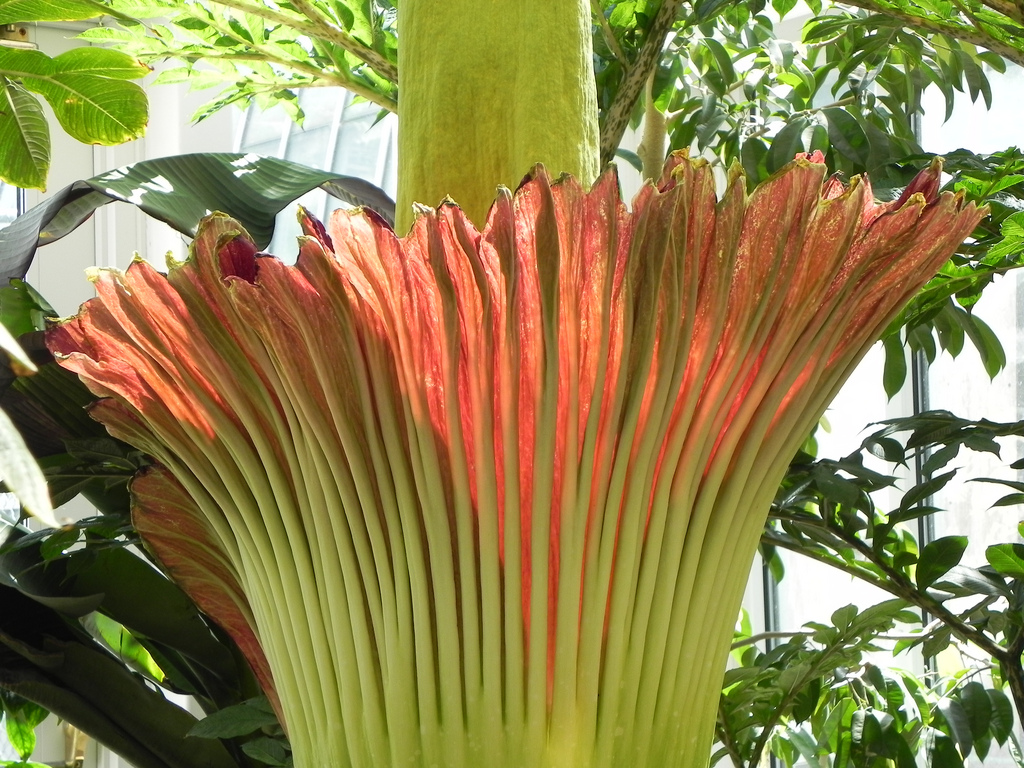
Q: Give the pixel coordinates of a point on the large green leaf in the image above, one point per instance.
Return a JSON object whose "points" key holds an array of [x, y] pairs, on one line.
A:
{"points": [[25, 137], [14, 11], [239, 720], [88, 90], [938, 558], [181, 191], [55, 664], [127, 589]]}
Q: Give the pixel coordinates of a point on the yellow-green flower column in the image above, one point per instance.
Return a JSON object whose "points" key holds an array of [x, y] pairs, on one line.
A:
{"points": [[489, 88]]}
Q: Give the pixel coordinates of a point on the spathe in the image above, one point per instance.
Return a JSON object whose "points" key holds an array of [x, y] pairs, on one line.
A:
{"points": [[492, 496]]}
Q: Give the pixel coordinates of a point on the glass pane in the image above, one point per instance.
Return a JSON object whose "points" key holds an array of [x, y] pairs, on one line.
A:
{"points": [[308, 146], [263, 127], [811, 591], [321, 105], [359, 143], [8, 204], [962, 385]]}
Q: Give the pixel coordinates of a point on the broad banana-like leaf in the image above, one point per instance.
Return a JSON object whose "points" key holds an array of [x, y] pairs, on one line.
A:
{"points": [[181, 191], [58, 666], [126, 588]]}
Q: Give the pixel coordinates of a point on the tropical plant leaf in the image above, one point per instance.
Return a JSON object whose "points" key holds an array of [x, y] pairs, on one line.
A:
{"points": [[181, 191], [238, 720], [25, 137], [55, 664], [88, 90], [13, 11], [938, 558]]}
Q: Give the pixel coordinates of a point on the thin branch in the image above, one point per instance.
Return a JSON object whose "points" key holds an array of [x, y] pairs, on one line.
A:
{"points": [[895, 583], [608, 34], [261, 54], [632, 84], [655, 140], [1008, 9], [335, 34], [973, 36], [316, 26], [727, 740], [764, 636]]}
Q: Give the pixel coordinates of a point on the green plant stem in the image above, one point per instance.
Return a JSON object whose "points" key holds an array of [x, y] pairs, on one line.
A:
{"points": [[608, 34], [931, 25], [335, 78], [764, 636], [895, 583], [617, 117], [316, 26]]}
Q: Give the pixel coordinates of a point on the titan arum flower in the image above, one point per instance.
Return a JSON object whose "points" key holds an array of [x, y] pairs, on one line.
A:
{"points": [[489, 498], [487, 494]]}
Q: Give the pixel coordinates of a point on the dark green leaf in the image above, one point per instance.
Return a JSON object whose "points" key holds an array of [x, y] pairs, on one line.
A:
{"points": [[964, 582], [985, 341], [1001, 722], [62, 540], [180, 191], [1008, 559], [25, 137], [267, 750], [959, 724], [846, 135], [786, 144], [938, 557], [942, 751], [705, 9], [722, 59], [978, 706], [894, 374], [238, 720], [921, 492]]}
